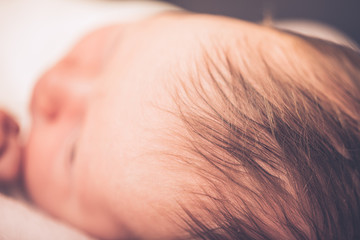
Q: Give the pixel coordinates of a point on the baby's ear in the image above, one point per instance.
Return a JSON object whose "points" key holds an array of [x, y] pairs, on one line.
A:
{"points": [[10, 148]]}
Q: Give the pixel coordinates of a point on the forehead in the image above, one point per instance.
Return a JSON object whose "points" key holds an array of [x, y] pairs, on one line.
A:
{"points": [[174, 40], [171, 37]]}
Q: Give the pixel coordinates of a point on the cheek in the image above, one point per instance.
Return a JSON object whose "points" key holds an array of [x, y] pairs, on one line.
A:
{"points": [[43, 169]]}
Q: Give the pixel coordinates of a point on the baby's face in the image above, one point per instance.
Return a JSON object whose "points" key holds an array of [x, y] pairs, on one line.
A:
{"points": [[101, 120]]}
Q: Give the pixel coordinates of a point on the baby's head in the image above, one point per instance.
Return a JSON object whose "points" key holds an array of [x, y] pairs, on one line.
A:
{"points": [[186, 126]]}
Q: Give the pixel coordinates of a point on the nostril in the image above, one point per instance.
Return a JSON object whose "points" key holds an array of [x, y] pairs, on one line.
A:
{"points": [[49, 108]]}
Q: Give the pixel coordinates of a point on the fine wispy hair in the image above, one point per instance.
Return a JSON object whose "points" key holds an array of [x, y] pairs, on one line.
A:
{"points": [[276, 124]]}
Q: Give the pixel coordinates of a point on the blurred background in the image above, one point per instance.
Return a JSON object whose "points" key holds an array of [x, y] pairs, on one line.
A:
{"points": [[341, 14]]}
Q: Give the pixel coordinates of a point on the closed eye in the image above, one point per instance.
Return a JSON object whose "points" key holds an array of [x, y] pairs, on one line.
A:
{"points": [[72, 153]]}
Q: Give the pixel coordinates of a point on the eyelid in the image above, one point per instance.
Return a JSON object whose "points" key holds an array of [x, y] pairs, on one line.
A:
{"points": [[72, 153], [72, 146]]}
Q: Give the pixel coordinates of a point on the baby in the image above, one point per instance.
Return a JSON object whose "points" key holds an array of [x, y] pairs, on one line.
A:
{"points": [[186, 126]]}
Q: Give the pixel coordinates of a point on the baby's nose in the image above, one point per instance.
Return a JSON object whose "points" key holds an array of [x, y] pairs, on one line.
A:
{"points": [[61, 93], [10, 149]]}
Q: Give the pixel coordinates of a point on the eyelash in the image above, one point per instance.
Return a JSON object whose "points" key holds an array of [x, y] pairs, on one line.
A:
{"points": [[72, 153]]}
